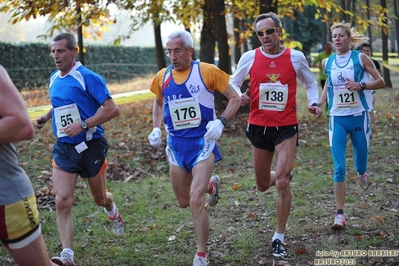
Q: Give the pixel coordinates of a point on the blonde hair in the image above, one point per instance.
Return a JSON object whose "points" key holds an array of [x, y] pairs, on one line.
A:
{"points": [[357, 37]]}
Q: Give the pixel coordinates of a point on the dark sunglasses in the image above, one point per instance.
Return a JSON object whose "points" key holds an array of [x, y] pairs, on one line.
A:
{"points": [[268, 31]]}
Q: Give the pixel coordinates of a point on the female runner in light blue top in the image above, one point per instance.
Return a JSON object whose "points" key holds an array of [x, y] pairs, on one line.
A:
{"points": [[345, 91]]}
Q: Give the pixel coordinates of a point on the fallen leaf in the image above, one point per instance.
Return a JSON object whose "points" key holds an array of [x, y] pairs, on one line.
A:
{"points": [[235, 186], [300, 251], [379, 218]]}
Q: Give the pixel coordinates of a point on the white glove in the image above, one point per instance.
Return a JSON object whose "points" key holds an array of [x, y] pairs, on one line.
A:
{"points": [[215, 129], [155, 137]]}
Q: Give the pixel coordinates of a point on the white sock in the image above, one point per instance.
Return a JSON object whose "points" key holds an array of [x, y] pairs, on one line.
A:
{"points": [[111, 213], [279, 237]]}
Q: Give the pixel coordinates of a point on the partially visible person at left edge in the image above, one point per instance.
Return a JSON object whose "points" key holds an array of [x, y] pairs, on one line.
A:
{"points": [[20, 230], [80, 102]]}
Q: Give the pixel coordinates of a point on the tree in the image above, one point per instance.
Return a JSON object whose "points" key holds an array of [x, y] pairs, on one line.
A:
{"points": [[298, 28], [383, 22], [221, 36], [64, 15]]}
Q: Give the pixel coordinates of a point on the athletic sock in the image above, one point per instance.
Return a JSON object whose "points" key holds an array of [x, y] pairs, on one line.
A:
{"points": [[279, 237], [210, 187], [201, 254], [111, 213]]}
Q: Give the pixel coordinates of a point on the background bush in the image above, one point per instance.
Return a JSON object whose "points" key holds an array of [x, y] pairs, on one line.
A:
{"points": [[30, 64]]}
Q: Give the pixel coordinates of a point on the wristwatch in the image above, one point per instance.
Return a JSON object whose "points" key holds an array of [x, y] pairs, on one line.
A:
{"points": [[363, 85], [315, 104], [223, 120], [84, 125]]}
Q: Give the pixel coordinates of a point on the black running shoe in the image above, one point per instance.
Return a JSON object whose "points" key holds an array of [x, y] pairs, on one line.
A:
{"points": [[278, 249]]}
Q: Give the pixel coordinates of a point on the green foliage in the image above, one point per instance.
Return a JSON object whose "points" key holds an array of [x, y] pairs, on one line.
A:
{"points": [[305, 28], [30, 64]]}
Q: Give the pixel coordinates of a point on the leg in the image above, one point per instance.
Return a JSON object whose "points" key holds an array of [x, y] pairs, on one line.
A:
{"points": [[262, 166], [338, 139], [361, 142], [34, 254], [360, 138], [190, 189], [98, 189], [63, 188], [285, 156], [201, 175]]}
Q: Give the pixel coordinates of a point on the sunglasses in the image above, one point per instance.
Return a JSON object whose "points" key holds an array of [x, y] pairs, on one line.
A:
{"points": [[268, 31]]}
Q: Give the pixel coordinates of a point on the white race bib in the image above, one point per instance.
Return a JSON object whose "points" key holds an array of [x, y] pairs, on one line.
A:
{"points": [[273, 96], [345, 99], [65, 115], [185, 113]]}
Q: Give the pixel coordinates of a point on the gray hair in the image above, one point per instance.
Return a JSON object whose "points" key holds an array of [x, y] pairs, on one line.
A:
{"points": [[71, 41], [273, 16], [186, 37]]}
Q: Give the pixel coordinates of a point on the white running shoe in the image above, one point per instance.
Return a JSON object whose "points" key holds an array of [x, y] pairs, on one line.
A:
{"points": [[213, 198], [363, 181], [200, 261], [339, 222], [118, 225], [65, 259]]}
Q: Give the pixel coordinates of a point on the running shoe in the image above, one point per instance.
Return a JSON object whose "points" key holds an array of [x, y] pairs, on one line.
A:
{"points": [[339, 222], [65, 259], [278, 249], [200, 261], [213, 198], [291, 176], [118, 225], [363, 181]]}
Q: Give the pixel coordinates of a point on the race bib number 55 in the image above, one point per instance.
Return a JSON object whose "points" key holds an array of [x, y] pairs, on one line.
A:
{"points": [[65, 115]]}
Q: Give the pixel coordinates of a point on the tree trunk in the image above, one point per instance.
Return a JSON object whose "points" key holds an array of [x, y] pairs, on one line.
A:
{"points": [[223, 47], [161, 62], [207, 43], [80, 36], [369, 26], [237, 39], [221, 36], [395, 7], [384, 37]]}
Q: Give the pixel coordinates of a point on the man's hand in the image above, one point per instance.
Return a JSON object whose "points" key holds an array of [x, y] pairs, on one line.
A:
{"points": [[155, 137], [245, 98], [316, 110], [40, 121], [215, 129]]}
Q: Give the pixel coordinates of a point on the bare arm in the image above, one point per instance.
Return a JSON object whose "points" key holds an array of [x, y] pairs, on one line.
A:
{"points": [[157, 112], [109, 111], [369, 66], [234, 102], [15, 124], [42, 120]]}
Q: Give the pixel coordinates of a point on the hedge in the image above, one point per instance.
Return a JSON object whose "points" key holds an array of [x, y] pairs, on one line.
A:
{"points": [[30, 64]]}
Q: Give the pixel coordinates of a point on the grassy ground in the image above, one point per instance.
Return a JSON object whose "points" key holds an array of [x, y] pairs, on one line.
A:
{"points": [[242, 224]]}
